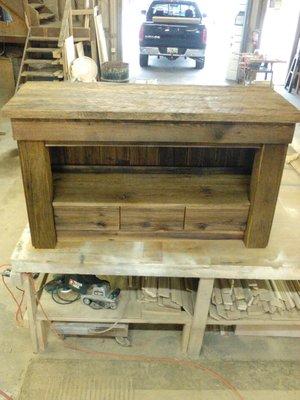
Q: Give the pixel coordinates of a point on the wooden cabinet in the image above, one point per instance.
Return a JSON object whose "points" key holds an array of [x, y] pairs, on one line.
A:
{"points": [[151, 161]]}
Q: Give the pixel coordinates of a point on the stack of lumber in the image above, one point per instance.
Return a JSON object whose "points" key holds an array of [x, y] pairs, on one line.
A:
{"points": [[255, 299], [166, 294]]}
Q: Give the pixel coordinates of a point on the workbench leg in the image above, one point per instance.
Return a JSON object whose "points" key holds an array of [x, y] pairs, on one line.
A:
{"points": [[264, 187], [42, 333], [185, 337], [204, 293], [31, 310], [38, 188]]}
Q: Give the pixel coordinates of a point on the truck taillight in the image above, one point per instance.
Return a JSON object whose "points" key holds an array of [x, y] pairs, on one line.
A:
{"points": [[204, 36], [142, 33]]}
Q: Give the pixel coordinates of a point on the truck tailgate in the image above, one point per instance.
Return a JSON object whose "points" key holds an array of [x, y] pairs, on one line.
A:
{"points": [[173, 35]]}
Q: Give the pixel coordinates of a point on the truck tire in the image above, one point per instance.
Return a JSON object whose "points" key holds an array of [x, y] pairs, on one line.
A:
{"points": [[144, 58], [200, 64]]}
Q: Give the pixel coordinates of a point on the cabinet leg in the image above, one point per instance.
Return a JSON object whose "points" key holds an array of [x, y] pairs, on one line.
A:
{"points": [[203, 298], [31, 310], [264, 187]]}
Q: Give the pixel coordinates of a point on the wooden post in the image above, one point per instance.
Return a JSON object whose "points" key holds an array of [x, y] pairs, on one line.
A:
{"points": [[37, 180], [42, 334], [185, 337], [31, 310], [201, 309], [264, 187]]}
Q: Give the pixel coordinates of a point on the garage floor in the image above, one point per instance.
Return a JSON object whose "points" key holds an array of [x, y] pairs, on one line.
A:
{"points": [[260, 368]]}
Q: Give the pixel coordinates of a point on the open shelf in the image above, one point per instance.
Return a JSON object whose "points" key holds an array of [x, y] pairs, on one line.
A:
{"points": [[266, 319], [175, 205], [129, 310], [116, 189]]}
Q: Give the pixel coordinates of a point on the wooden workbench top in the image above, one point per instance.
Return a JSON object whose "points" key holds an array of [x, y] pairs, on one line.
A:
{"points": [[134, 102], [182, 258]]}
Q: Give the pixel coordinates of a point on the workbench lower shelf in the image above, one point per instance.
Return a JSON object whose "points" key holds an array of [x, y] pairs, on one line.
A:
{"points": [[130, 310]]}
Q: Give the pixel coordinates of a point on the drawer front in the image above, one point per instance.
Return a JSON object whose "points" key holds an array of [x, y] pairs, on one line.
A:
{"points": [[157, 219], [86, 218], [198, 219]]}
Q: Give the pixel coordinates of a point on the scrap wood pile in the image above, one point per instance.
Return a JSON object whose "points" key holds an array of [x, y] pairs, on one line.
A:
{"points": [[255, 299], [166, 294]]}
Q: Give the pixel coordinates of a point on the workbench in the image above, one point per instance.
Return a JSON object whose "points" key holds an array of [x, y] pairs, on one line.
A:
{"points": [[149, 161], [201, 259]]}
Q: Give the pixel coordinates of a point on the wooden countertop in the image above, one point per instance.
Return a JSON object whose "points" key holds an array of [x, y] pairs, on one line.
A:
{"points": [[134, 102]]}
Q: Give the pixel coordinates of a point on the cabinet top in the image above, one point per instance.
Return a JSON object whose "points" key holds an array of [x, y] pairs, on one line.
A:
{"points": [[135, 102]]}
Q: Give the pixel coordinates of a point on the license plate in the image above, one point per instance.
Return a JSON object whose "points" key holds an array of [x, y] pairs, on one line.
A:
{"points": [[172, 50]]}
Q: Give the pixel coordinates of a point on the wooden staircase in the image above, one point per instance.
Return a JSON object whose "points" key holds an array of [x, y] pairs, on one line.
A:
{"points": [[42, 56], [38, 13]]}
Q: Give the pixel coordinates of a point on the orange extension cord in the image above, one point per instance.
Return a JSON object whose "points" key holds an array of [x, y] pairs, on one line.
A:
{"points": [[124, 357]]}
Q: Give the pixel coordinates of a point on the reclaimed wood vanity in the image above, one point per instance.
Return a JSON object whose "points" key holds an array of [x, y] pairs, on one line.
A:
{"points": [[149, 161]]}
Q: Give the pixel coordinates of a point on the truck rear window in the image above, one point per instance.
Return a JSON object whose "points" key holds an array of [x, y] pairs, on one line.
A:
{"points": [[165, 9]]}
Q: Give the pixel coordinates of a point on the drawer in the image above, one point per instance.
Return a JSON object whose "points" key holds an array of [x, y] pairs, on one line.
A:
{"points": [[86, 218], [152, 218], [201, 219]]}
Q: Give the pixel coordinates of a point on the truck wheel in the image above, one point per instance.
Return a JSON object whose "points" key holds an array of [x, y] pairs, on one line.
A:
{"points": [[144, 58], [199, 64]]}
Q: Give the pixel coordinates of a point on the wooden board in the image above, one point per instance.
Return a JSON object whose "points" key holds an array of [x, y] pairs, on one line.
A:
{"points": [[129, 311], [37, 182], [7, 80], [213, 190], [101, 40], [265, 182], [150, 103], [91, 219], [165, 133], [166, 205]]}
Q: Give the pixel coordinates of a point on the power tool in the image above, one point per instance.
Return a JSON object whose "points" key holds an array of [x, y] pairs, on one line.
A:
{"points": [[94, 292]]}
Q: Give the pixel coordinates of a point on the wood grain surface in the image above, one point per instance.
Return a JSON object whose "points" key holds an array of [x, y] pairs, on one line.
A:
{"points": [[37, 182], [102, 101]]}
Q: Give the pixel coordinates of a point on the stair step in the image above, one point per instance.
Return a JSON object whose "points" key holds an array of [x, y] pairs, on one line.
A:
{"points": [[46, 16], [36, 61], [43, 74], [56, 53], [37, 6], [43, 38]]}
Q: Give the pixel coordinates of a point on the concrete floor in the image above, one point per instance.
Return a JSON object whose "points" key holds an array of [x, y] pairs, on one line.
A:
{"points": [[261, 368]]}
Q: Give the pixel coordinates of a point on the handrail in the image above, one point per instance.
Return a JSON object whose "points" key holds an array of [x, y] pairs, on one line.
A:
{"points": [[66, 29]]}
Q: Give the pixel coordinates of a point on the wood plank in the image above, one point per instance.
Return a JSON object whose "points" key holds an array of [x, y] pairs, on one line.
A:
{"points": [[101, 40], [184, 258], [135, 102], [31, 310], [91, 219], [152, 219], [206, 191], [37, 181], [265, 182], [233, 218], [284, 330], [154, 132], [126, 312], [90, 329], [134, 235], [204, 293], [7, 80]]}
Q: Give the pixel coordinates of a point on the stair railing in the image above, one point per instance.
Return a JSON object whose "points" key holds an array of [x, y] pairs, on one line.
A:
{"points": [[66, 29]]}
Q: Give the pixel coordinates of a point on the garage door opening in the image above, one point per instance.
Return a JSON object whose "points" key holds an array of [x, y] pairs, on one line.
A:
{"points": [[220, 20]]}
